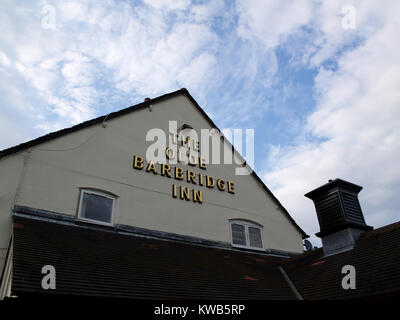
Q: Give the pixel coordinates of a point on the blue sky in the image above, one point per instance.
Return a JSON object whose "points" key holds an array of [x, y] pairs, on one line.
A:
{"points": [[317, 82]]}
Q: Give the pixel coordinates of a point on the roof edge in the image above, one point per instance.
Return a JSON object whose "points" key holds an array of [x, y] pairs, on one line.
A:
{"points": [[86, 124], [72, 221], [139, 106], [253, 173]]}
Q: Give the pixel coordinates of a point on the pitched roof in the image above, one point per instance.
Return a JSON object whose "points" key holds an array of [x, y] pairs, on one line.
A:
{"points": [[136, 107], [86, 124], [376, 258], [109, 264], [106, 263]]}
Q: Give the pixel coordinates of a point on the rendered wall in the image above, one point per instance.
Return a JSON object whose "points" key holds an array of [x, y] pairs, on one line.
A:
{"points": [[101, 158], [10, 172]]}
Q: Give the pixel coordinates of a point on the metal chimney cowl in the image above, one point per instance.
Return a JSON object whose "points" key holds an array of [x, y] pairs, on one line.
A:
{"points": [[339, 215]]}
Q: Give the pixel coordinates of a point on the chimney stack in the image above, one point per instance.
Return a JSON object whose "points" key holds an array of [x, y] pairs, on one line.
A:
{"points": [[339, 214]]}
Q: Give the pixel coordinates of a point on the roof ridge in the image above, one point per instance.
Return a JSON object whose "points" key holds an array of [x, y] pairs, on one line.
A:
{"points": [[87, 123], [139, 106], [378, 231]]}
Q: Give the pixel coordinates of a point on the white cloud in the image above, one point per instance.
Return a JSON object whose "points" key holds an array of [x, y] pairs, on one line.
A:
{"points": [[4, 59], [356, 126], [271, 21], [197, 72], [206, 12], [152, 62], [168, 4], [78, 73], [74, 10], [100, 52], [130, 50]]}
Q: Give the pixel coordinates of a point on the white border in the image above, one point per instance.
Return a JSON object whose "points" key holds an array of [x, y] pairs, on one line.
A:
{"points": [[102, 194], [246, 225]]}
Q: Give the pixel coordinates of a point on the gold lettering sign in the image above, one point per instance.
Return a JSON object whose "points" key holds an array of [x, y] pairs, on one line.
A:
{"points": [[151, 167], [178, 173], [138, 162], [221, 184], [184, 193], [189, 176], [210, 182], [230, 187], [166, 170]]}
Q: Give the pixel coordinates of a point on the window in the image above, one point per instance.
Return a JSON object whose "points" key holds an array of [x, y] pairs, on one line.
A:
{"points": [[246, 235], [95, 206]]}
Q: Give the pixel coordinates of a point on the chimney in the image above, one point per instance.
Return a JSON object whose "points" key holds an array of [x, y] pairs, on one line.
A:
{"points": [[339, 214]]}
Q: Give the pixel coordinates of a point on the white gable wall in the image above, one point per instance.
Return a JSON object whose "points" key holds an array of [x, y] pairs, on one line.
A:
{"points": [[101, 158], [11, 169]]}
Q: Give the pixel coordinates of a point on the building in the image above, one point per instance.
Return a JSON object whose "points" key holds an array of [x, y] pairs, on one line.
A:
{"points": [[87, 205]]}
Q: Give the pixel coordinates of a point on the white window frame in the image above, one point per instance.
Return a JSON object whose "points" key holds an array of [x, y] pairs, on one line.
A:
{"points": [[102, 194], [246, 225]]}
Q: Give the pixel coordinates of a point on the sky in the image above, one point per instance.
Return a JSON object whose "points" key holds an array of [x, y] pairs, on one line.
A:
{"points": [[318, 81]]}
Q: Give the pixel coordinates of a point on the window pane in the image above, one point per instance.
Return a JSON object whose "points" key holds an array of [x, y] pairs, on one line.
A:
{"points": [[238, 234], [255, 237], [96, 207]]}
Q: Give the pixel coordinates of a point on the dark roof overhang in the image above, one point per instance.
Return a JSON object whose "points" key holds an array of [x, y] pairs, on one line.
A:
{"points": [[100, 263]]}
